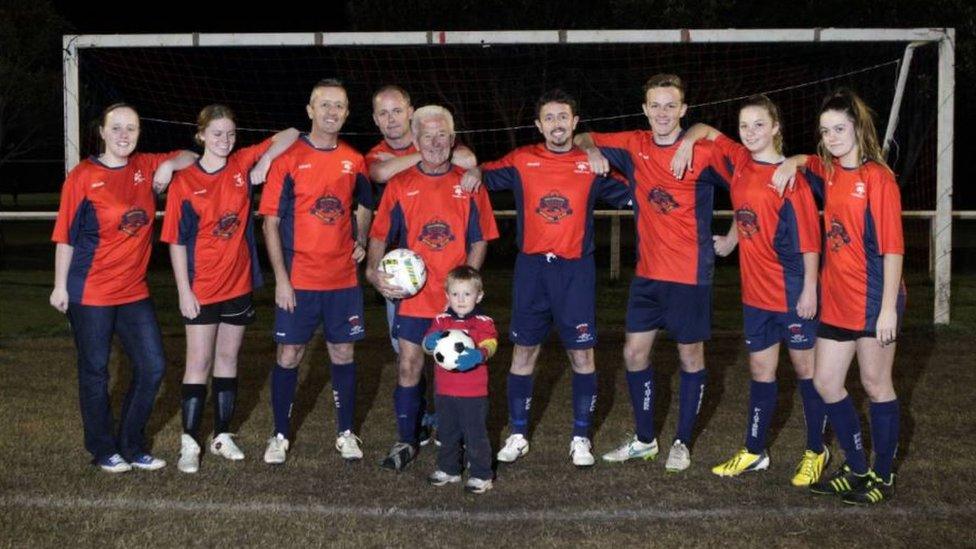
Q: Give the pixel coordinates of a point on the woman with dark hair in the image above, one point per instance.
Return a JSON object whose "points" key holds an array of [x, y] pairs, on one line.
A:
{"points": [[862, 291], [103, 233], [210, 229]]}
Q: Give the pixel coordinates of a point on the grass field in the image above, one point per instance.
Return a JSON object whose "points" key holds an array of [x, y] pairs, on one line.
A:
{"points": [[51, 496]]}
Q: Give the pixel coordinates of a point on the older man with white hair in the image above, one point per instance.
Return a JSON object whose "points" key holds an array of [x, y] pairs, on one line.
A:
{"points": [[425, 209]]}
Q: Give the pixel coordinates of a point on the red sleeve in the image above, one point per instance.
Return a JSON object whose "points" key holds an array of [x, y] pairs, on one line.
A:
{"points": [[372, 156], [486, 330], [507, 161], [249, 156], [731, 149], [72, 194], [616, 140], [486, 215], [807, 217], [382, 220], [884, 200], [271, 193], [815, 164], [171, 219], [151, 161]]}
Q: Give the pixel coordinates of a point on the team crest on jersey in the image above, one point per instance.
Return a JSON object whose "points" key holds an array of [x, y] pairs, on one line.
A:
{"points": [[860, 190], [582, 167], [328, 209], [355, 325], [553, 207], [226, 225], [347, 166], [662, 200], [583, 333], [796, 333], [747, 221], [138, 177], [458, 192], [133, 219], [238, 179], [436, 234], [837, 235]]}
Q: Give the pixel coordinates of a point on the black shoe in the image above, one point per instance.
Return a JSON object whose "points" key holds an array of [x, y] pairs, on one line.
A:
{"points": [[400, 455], [874, 491], [841, 482]]}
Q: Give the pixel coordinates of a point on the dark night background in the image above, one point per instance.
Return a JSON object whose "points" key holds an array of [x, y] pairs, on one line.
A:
{"points": [[30, 42]]}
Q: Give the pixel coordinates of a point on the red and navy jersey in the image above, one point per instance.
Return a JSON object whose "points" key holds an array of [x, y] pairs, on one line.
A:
{"points": [[107, 214], [315, 192], [674, 216], [555, 194], [210, 214], [472, 383], [372, 157], [434, 217], [862, 222], [774, 232]]}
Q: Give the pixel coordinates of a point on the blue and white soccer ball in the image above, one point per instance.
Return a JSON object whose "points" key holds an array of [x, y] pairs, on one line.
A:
{"points": [[449, 346], [408, 270]]}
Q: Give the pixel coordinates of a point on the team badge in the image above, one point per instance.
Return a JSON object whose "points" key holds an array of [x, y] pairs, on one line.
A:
{"points": [[796, 333], [837, 235], [238, 180], [662, 200], [747, 221], [582, 167], [553, 207], [355, 325], [583, 333], [436, 234], [138, 177], [226, 225], [347, 166], [458, 192], [328, 209], [860, 190], [133, 219]]}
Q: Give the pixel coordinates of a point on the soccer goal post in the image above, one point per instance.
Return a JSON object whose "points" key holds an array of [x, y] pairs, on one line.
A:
{"points": [[490, 80]]}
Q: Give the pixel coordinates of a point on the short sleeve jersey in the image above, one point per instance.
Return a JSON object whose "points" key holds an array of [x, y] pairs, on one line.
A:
{"points": [[474, 382], [107, 215], [862, 222], [314, 192], [555, 194], [210, 214], [434, 217], [674, 216], [774, 232], [372, 157]]}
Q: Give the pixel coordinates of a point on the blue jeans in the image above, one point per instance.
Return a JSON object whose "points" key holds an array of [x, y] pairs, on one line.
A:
{"points": [[138, 331]]}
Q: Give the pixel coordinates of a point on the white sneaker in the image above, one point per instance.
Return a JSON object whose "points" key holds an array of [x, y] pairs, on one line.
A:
{"points": [[223, 445], [440, 478], [347, 443], [189, 455], [632, 449], [277, 449], [679, 458], [515, 447], [114, 464], [579, 452], [477, 485]]}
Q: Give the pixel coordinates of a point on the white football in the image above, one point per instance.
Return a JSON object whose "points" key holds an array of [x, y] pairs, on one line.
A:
{"points": [[449, 346], [407, 268]]}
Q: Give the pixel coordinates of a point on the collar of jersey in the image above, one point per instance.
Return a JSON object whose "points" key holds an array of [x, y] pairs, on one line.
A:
{"points": [[474, 312], [204, 170], [308, 141], [94, 159], [419, 169], [676, 141]]}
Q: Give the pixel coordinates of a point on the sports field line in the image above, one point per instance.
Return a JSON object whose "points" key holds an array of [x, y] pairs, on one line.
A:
{"points": [[500, 516]]}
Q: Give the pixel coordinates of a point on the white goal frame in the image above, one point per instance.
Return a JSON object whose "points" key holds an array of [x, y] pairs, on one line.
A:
{"points": [[941, 224]]}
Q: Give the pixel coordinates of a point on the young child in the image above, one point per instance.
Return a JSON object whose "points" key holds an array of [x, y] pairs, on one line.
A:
{"points": [[461, 395]]}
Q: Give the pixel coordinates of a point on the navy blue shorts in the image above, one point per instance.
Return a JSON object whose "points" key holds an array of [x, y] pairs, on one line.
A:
{"points": [[684, 310], [411, 328], [763, 329], [548, 290], [340, 312]]}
